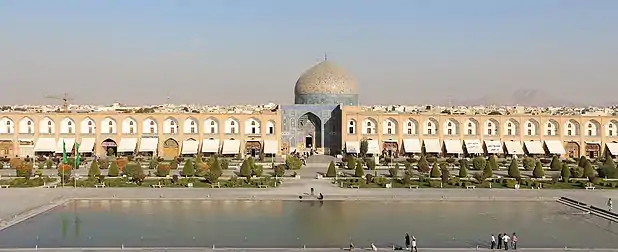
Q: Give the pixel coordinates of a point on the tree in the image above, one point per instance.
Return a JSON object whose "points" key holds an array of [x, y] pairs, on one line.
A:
{"points": [[463, 168], [422, 165], [445, 174], [565, 173], [359, 172], [487, 171], [538, 170], [154, 163], [280, 170], [607, 170], [292, 162], [556, 164], [435, 171], [163, 170], [24, 169], [257, 170], [332, 170], [582, 161], [588, 171], [577, 172], [493, 164], [94, 170], [514, 170], [529, 163], [371, 164], [245, 169], [351, 163], [609, 161], [478, 163], [49, 164], [394, 171], [188, 170], [214, 170], [113, 171], [364, 147], [133, 170], [174, 164]]}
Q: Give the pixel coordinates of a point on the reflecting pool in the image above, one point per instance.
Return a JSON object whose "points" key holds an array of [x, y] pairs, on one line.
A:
{"points": [[169, 223]]}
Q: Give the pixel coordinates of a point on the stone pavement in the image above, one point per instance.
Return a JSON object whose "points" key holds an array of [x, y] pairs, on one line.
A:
{"points": [[291, 249]]}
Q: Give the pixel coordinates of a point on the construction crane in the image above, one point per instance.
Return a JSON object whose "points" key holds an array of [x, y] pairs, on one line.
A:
{"points": [[65, 99]]}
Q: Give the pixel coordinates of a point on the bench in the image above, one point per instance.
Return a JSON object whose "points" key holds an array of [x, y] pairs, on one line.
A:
{"points": [[590, 187], [99, 186], [470, 187], [355, 186], [5, 186], [156, 186], [217, 185], [414, 187], [50, 186], [263, 186]]}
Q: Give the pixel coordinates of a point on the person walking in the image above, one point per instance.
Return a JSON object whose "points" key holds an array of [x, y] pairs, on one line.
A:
{"points": [[610, 204], [499, 241], [493, 241], [407, 241], [414, 244], [506, 240], [514, 243]]}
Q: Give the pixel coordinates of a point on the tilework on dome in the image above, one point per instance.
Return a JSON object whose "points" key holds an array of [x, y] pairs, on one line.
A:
{"points": [[325, 78], [345, 99]]}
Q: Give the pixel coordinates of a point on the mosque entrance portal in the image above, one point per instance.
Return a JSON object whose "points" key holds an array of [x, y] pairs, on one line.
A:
{"points": [[310, 127]]}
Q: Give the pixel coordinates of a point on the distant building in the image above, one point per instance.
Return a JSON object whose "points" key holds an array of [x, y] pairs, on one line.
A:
{"points": [[326, 117]]}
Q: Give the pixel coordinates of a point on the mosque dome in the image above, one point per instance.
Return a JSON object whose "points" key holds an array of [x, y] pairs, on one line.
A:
{"points": [[326, 83]]}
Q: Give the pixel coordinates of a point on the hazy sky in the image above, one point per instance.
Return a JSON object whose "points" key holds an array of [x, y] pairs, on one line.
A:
{"points": [[233, 51]]}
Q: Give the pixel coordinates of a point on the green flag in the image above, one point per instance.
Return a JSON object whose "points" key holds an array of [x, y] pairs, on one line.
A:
{"points": [[77, 156], [65, 160]]}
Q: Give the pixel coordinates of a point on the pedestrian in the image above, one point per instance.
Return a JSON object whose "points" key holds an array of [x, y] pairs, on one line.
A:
{"points": [[514, 239], [610, 204], [414, 244], [506, 240], [499, 241], [373, 247], [407, 241], [493, 241]]}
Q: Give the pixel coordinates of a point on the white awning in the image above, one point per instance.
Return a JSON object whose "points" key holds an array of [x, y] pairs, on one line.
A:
{"points": [[352, 147], [210, 146], [493, 146], [86, 145], [534, 147], [45, 145], [373, 147], [189, 147], [149, 144], [432, 146], [612, 147], [230, 147], [68, 142], [412, 145], [555, 147], [473, 146], [513, 148], [127, 145], [271, 146], [453, 146]]}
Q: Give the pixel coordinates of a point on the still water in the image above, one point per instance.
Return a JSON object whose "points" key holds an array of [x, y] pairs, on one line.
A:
{"points": [[167, 223]]}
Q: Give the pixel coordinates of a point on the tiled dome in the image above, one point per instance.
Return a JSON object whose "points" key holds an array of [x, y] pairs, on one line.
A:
{"points": [[325, 78]]}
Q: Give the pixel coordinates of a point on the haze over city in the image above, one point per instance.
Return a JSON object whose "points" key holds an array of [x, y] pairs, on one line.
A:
{"points": [[237, 52]]}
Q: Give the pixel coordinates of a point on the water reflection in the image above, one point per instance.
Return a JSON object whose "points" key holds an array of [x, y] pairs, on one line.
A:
{"points": [[168, 223]]}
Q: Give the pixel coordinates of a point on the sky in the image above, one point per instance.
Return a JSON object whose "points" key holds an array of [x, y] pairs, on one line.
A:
{"points": [[249, 51]]}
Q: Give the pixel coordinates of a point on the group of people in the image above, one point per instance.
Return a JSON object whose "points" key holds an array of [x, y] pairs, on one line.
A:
{"points": [[503, 241], [409, 240]]}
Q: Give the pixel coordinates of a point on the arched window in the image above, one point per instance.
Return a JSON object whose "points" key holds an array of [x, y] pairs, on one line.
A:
{"points": [[131, 123], [29, 123], [110, 123], [489, 125], [49, 123], [449, 124], [89, 123], [151, 123]]}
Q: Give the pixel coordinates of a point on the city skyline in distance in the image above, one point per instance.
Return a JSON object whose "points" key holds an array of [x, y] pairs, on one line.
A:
{"points": [[239, 52]]}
